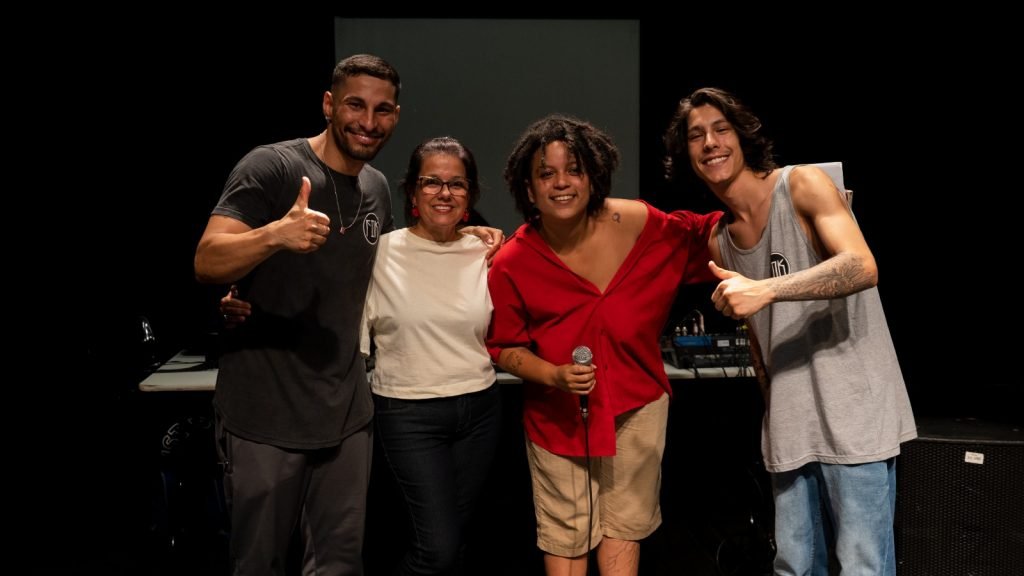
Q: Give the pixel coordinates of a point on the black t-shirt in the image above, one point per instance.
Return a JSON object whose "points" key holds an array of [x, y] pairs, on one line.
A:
{"points": [[292, 375]]}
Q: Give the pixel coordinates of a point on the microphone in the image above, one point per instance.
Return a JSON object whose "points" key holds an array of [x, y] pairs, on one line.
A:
{"points": [[583, 356]]}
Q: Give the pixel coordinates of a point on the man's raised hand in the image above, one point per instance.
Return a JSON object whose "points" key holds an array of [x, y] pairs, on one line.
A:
{"points": [[301, 229]]}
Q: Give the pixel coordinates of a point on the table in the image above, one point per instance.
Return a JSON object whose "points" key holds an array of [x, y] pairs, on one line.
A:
{"points": [[189, 372]]}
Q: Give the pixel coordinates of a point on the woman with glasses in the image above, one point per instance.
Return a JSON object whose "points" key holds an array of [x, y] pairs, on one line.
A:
{"points": [[436, 404]]}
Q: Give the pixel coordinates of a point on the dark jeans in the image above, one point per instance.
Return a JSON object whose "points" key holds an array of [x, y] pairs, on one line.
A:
{"points": [[440, 451]]}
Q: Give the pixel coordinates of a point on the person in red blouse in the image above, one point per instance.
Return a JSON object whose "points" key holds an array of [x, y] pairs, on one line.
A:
{"points": [[588, 269]]}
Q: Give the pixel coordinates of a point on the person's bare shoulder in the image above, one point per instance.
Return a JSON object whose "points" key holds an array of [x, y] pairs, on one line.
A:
{"points": [[630, 213], [626, 208], [806, 179]]}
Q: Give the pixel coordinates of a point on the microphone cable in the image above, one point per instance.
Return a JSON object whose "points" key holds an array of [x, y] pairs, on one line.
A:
{"points": [[590, 489], [583, 356]]}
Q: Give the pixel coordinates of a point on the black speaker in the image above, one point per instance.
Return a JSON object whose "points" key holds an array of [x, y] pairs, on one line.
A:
{"points": [[960, 500]]}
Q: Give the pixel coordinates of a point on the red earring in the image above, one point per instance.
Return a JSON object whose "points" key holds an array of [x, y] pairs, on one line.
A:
{"points": [[415, 212], [465, 216]]}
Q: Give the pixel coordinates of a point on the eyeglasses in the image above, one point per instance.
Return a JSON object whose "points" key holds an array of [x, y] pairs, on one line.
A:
{"points": [[456, 187]]}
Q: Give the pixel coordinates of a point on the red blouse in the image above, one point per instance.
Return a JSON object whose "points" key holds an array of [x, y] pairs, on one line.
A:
{"points": [[540, 304]]}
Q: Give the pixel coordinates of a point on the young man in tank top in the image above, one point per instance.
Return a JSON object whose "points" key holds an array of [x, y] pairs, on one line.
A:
{"points": [[792, 261]]}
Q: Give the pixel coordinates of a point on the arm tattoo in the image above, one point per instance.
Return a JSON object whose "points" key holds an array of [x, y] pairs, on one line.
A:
{"points": [[514, 362], [616, 217], [836, 277]]}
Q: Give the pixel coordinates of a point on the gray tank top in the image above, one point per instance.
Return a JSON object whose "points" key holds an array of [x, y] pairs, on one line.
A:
{"points": [[836, 391]]}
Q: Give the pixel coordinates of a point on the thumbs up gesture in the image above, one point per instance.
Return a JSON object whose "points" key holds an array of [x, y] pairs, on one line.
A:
{"points": [[301, 229], [737, 296]]}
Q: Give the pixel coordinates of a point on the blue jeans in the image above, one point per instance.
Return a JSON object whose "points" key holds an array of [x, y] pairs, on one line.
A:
{"points": [[848, 506], [440, 451]]}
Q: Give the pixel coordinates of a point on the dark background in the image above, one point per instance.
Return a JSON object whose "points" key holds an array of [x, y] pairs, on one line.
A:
{"points": [[157, 113], [174, 103]]}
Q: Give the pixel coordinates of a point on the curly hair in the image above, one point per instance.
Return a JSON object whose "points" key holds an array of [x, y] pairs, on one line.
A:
{"points": [[757, 148], [592, 149], [440, 145]]}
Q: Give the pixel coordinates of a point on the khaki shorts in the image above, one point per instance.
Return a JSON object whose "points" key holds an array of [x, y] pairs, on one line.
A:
{"points": [[626, 487]]}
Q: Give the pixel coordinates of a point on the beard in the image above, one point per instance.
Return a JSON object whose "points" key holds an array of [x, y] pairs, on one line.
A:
{"points": [[355, 150]]}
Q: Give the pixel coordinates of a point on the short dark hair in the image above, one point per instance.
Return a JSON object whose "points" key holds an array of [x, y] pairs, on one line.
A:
{"points": [[441, 145], [592, 148], [369, 65], [757, 148]]}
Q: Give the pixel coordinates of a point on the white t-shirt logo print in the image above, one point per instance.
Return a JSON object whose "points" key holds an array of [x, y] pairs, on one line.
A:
{"points": [[780, 266], [371, 228]]}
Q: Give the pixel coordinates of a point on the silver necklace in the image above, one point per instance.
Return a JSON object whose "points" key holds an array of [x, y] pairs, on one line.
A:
{"points": [[337, 201]]}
